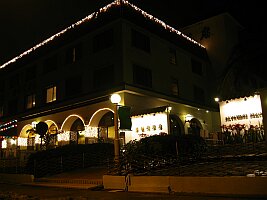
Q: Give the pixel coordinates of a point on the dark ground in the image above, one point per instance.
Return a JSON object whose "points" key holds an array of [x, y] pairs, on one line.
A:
{"points": [[19, 192]]}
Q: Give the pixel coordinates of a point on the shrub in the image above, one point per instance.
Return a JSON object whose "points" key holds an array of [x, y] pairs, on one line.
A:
{"points": [[161, 150]]}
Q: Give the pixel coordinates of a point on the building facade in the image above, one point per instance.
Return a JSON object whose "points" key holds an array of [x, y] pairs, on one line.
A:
{"points": [[66, 81], [219, 34], [238, 62]]}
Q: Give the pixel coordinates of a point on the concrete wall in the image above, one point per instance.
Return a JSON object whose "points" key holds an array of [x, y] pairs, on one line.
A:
{"points": [[149, 184], [220, 185], [114, 182], [236, 185], [16, 178]]}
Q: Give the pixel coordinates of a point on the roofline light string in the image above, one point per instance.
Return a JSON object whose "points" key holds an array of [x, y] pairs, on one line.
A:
{"points": [[93, 16]]}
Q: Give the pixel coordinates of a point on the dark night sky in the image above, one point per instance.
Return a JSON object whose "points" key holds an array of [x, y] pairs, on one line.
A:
{"points": [[25, 23]]}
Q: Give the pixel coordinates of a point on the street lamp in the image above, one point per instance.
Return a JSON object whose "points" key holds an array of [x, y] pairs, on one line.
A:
{"points": [[115, 99], [216, 99], [168, 109]]}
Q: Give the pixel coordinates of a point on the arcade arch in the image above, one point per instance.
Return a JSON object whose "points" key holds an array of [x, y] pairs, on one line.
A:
{"points": [[176, 125], [103, 119], [195, 127], [74, 126]]}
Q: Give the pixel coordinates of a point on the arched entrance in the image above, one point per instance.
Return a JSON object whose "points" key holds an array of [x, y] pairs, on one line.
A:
{"points": [[103, 121], [52, 131], [27, 137], [106, 127], [73, 127], [76, 128], [195, 127], [176, 125]]}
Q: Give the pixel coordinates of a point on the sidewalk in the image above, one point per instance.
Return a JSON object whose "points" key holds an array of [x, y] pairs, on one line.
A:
{"points": [[79, 179]]}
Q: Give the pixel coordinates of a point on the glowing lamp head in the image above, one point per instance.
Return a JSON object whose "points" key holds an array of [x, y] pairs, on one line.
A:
{"points": [[216, 99], [115, 98]]}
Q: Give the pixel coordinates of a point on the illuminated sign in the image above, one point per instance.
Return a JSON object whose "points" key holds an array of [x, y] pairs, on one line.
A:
{"points": [[246, 111], [148, 125]]}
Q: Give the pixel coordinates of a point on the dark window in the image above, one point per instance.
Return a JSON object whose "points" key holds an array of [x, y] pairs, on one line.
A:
{"points": [[2, 85], [74, 54], [140, 41], [13, 107], [30, 73], [174, 87], [1, 111], [50, 64], [172, 56], [73, 86], [103, 40], [196, 67], [199, 95], [104, 76], [142, 76], [14, 81]]}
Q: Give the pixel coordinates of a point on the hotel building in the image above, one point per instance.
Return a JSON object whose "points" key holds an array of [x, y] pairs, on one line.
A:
{"points": [[164, 76]]}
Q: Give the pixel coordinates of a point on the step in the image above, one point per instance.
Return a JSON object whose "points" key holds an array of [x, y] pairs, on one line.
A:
{"points": [[69, 181]]}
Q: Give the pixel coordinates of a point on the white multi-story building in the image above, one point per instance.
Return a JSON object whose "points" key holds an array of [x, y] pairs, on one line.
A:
{"points": [[66, 81]]}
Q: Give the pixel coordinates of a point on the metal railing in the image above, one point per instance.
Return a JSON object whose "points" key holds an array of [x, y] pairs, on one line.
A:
{"points": [[65, 163], [13, 166], [219, 158]]}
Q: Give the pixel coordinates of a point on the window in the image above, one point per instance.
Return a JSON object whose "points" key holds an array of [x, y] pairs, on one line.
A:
{"points": [[2, 85], [73, 86], [140, 41], [50, 64], [103, 40], [30, 73], [196, 67], [199, 95], [104, 77], [74, 54], [172, 56], [12, 106], [174, 87], [142, 76], [30, 101], [1, 111], [51, 94], [14, 81]]}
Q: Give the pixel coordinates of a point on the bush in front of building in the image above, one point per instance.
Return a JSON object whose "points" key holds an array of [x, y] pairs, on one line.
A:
{"points": [[161, 151], [69, 157]]}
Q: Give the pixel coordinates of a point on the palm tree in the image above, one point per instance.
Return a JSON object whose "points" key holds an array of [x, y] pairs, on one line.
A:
{"points": [[41, 129]]}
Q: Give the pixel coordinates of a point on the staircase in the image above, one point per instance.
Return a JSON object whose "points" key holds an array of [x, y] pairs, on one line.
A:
{"points": [[68, 183]]}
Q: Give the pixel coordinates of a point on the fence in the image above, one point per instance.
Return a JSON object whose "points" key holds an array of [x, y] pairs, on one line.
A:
{"points": [[218, 159], [217, 148], [13, 166]]}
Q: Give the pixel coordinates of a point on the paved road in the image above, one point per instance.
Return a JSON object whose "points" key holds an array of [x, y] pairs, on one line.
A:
{"points": [[11, 192]]}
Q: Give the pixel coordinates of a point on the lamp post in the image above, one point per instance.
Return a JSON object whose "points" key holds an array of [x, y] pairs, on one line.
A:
{"points": [[115, 99], [169, 108]]}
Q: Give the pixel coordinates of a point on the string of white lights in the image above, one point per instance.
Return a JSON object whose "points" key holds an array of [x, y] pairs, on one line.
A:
{"points": [[93, 16], [163, 24]]}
